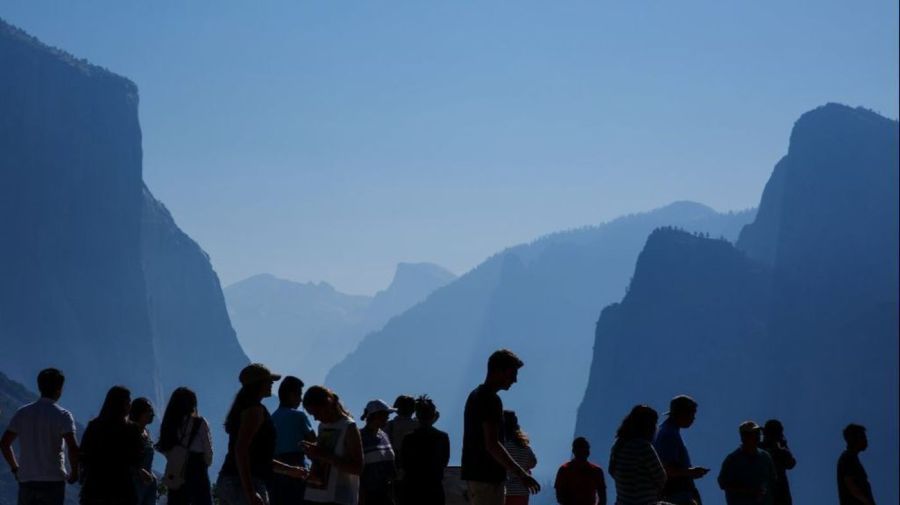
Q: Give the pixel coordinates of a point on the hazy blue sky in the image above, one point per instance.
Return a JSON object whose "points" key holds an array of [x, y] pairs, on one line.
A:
{"points": [[328, 140]]}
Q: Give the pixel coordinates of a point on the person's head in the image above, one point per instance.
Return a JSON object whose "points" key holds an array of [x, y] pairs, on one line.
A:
{"points": [[257, 379], [773, 431], [426, 412], [256, 383], [855, 436], [581, 449], [141, 412], [503, 369], [682, 411], [324, 405], [182, 404], [405, 405], [750, 434], [290, 392], [116, 405], [511, 429], [50, 383], [640, 423], [376, 414]]}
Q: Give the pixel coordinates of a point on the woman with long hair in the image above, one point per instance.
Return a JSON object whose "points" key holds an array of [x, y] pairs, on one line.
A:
{"points": [[633, 461], [337, 454], [518, 446], [111, 451], [183, 426], [141, 414], [250, 460]]}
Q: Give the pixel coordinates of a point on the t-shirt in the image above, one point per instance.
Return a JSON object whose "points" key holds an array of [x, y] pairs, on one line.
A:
{"points": [[378, 471], [39, 428], [483, 405], [849, 466], [638, 473], [291, 427], [750, 471], [673, 453], [580, 483]]}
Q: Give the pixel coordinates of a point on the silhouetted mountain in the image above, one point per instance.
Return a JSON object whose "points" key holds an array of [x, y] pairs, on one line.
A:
{"points": [[97, 278], [539, 299], [305, 328], [801, 325]]}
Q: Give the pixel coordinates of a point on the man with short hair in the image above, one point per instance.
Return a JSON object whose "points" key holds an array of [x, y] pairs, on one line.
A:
{"points": [[41, 428], [748, 474], [485, 461], [292, 427], [680, 488], [580, 482], [853, 482]]}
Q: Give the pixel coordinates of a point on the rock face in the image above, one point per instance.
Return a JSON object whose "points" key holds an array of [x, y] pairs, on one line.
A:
{"points": [[798, 322], [540, 300], [97, 278], [306, 328]]}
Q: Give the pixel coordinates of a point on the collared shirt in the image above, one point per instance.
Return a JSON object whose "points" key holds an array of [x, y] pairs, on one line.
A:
{"points": [[40, 427]]}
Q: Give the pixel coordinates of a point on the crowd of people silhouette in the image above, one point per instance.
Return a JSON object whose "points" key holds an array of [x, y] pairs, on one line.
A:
{"points": [[279, 459]]}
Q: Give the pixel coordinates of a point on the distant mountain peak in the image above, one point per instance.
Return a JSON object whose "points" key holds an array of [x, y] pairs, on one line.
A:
{"points": [[413, 273]]}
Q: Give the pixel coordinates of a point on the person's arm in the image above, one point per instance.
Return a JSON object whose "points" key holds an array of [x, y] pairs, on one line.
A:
{"points": [[206, 441], [655, 468], [601, 488], [8, 454], [296, 472], [67, 430], [667, 448], [73, 454], [856, 490], [491, 432], [445, 450], [788, 460], [251, 420], [563, 495]]}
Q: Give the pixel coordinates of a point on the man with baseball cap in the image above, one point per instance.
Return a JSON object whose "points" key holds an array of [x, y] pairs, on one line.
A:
{"points": [[748, 474], [679, 488]]}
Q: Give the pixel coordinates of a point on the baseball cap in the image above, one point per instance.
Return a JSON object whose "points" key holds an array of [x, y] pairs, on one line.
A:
{"points": [[376, 406], [256, 372], [748, 427]]}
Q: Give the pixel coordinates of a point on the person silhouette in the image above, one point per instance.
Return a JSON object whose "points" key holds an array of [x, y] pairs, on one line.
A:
{"points": [[250, 460], [633, 462], [111, 452], [397, 428], [337, 455], [518, 446], [680, 488], [377, 479], [41, 428], [776, 445], [852, 480], [578, 481], [748, 474], [292, 427], [145, 483], [183, 426], [485, 461], [425, 455]]}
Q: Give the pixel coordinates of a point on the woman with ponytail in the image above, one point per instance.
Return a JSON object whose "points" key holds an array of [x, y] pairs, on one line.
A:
{"points": [[250, 460], [337, 454]]}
